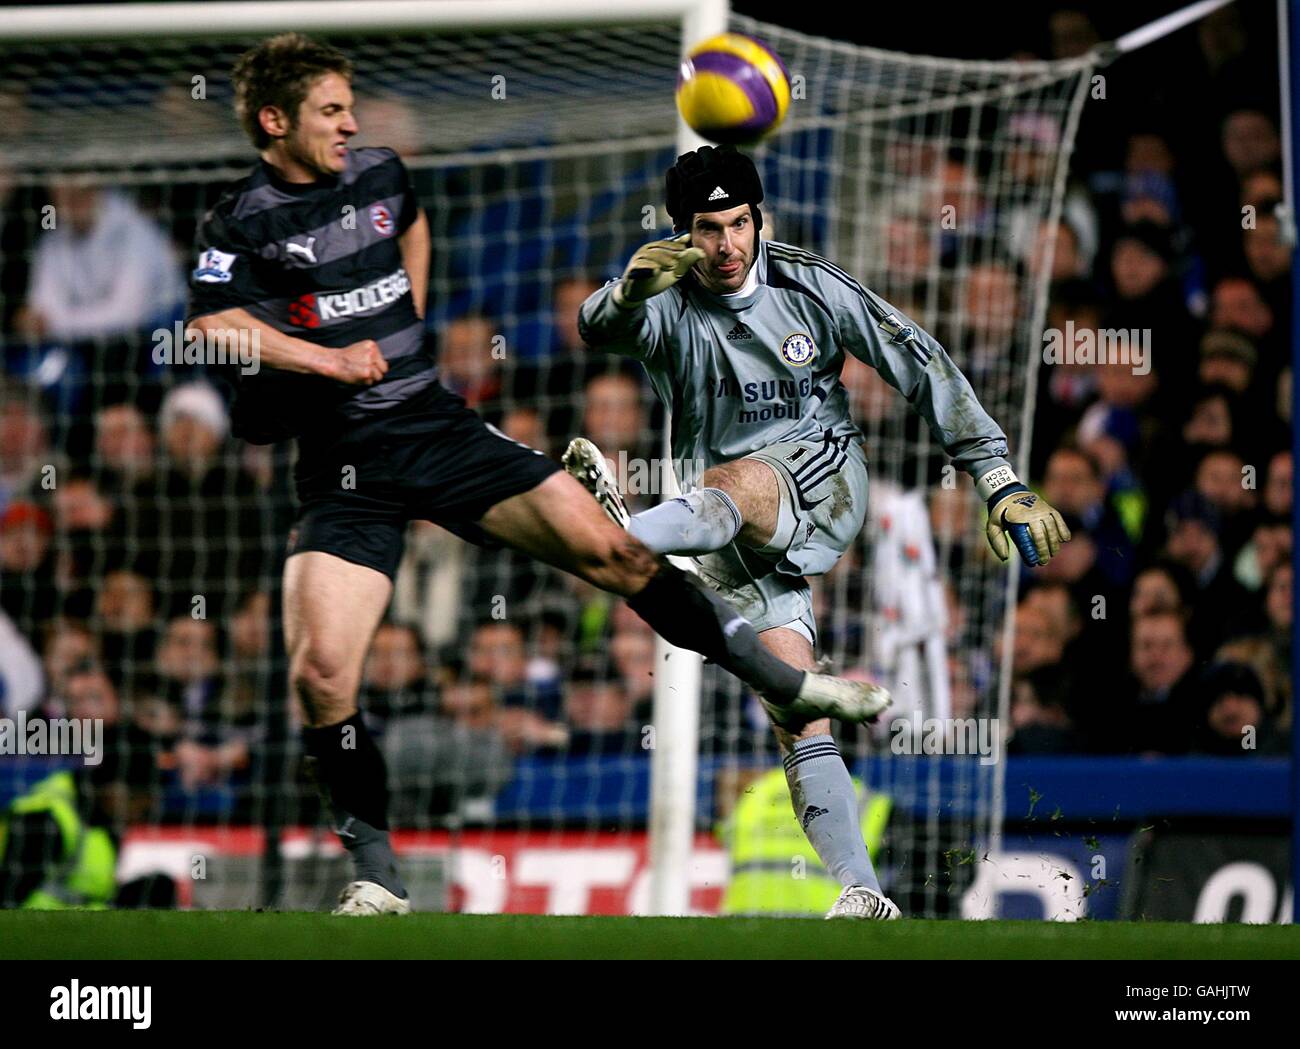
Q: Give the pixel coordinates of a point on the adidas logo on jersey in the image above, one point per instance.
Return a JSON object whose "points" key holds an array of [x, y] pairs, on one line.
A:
{"points": [[739, 332], [718, 194]]}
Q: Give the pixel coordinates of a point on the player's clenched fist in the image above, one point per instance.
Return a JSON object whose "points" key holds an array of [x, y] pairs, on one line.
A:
{"points": [[656, 267], [361, 364]]}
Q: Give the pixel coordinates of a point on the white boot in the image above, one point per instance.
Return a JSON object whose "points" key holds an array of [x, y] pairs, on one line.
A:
{"points": [[857, 901], [583, 460], [824, 696], [367, 897]]}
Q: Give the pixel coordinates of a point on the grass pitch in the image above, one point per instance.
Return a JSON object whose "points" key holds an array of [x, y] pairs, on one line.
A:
{"points": [[296, 935]]}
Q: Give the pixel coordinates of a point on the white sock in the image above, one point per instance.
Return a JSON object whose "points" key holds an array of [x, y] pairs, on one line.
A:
{"points": [[698, 523], [826, 805]]}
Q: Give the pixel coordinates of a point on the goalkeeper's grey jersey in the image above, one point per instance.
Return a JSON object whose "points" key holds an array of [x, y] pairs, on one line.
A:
{"points": [[741, 373]]}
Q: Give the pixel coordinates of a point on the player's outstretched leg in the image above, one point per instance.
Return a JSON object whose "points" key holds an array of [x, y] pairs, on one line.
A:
{"points": [[331, 610], [688, 614], [558, 523]]}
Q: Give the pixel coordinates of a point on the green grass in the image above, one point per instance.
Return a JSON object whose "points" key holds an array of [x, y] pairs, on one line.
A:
{"points": [[246, 935]]}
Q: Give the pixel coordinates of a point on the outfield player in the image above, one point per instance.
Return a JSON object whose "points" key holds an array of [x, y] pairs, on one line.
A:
{"points": [[323, 254], [744, 340]]}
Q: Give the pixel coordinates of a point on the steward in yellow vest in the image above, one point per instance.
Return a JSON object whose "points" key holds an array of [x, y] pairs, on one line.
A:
{"points": [[53, 858], [774, 870], [59, 841]]}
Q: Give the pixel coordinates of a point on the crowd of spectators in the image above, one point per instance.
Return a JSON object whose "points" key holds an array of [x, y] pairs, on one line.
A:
{"points": [[140, 545], [1165, 626]]}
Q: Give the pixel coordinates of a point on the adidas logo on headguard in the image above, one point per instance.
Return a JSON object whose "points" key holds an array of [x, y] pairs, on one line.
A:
{"points": [[739, 332], [718, 194]]}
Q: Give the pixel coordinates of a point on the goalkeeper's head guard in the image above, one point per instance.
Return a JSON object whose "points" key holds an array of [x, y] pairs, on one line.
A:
{"points": [[712, 178]]}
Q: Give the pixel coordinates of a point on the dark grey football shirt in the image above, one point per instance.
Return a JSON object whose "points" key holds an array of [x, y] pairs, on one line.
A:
{"points": [[320, 261]]}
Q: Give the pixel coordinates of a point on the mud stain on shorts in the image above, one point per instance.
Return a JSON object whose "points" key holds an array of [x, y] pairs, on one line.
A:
{"points": [[841, 497]]}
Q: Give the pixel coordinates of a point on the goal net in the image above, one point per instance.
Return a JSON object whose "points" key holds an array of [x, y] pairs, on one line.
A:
{"points": [[142, 546]]}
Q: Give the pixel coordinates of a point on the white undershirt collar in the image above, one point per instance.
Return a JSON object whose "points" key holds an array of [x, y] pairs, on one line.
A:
{"points": [[746, 289]]}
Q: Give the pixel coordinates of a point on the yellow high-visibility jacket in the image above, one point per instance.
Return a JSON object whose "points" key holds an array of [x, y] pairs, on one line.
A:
{"points": [[85, 875], [774, 870]]}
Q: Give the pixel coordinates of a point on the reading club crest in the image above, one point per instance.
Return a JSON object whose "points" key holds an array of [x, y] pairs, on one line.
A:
{"points": [[381, 219], [798, 349]]}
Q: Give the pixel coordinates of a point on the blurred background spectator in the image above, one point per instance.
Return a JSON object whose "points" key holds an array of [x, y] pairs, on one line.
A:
{"points": [[103, 269]]}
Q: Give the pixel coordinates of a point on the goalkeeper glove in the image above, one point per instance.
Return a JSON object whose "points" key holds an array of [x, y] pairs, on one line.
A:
{"points": [[1037, 529], [655, 267]]}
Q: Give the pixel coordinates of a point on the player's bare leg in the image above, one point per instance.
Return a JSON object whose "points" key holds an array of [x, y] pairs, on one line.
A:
{"points": [[824, 799], [558, 522], [753, 487], [332, 608]]}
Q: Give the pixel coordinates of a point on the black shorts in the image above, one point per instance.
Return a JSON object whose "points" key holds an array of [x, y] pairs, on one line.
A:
{"points": [[445, 465]]}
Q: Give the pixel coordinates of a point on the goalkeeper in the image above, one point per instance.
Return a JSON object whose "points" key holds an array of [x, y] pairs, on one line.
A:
{"points": [[744, 340]]}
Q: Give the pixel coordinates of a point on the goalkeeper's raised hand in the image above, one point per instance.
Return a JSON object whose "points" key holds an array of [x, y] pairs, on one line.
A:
{"points": [[1037, 529], [656, 267]]}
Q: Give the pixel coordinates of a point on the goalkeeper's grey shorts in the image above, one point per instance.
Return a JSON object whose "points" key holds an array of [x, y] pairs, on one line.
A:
{"points": [[823, 505]]}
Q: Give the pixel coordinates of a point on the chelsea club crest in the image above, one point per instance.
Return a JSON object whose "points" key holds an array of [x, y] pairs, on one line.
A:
{"points": [[798, 349]]}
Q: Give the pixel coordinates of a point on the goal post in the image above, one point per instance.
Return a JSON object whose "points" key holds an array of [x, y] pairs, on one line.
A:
{"points": [[674, 771]]}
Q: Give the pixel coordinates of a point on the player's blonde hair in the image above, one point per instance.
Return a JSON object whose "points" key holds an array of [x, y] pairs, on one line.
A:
{"points": [[279, 72]]}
